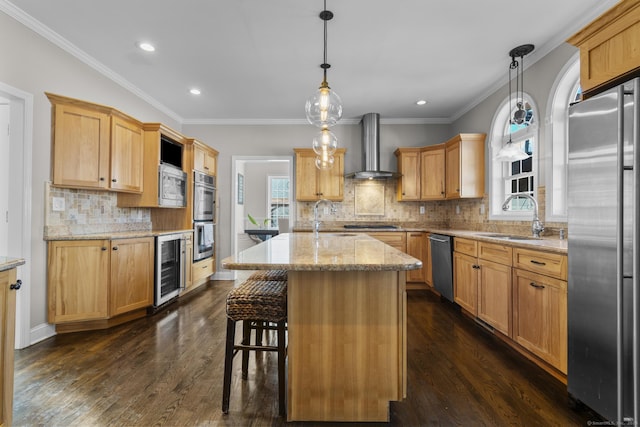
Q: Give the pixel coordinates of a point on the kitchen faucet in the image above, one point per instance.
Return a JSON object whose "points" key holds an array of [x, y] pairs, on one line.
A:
{"points": [[316, 223], [537, 226]]}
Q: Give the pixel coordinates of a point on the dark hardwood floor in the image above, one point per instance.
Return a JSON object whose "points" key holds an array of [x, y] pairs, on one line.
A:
{"points": [[166, 369]]}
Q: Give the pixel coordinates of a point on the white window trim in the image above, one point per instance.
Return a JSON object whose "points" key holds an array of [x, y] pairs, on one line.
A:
{"points": [[496, 176], [269, 179], [563, 88]]}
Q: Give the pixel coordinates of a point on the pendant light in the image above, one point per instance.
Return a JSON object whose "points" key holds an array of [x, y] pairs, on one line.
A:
{"points": [[510, 152], [324, 108]]}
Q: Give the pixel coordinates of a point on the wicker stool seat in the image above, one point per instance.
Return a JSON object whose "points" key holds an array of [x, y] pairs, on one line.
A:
{"points": [[280, 275], [258, 304]]}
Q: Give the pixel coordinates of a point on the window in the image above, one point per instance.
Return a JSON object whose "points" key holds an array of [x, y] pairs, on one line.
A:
{"points": [[513, 178], [566, 90], [278, 198]]}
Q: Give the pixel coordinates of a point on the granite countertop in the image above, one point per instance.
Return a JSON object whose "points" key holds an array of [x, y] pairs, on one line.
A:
{"points": [[7, 263], [548, 244], [116, 235], [343, 251]]}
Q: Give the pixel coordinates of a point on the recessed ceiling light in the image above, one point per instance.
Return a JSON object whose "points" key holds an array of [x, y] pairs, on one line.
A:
{"points": [[421, 102], [195, 91], [147, 47]]}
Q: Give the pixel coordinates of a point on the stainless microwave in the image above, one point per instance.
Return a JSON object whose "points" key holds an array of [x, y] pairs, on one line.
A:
{"points": [[172, 186]]}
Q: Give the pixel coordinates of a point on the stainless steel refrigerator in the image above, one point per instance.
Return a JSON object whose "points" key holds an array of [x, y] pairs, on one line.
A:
{"points": [[603, 291]]}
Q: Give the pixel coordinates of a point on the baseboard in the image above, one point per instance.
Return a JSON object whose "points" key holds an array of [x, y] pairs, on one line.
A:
{"points": [[224, 275], [41, 333]]}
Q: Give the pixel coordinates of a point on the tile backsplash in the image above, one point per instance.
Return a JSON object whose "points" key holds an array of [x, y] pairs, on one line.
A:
{"points": [[90, 212], [463, 214]]}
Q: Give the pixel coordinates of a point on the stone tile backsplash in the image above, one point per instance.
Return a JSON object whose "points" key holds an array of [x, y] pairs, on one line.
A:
{"points": [[437, 213], [90, 212]]}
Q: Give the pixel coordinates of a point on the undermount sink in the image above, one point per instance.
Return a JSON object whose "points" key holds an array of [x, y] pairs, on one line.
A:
{"points": [[510, 237]]}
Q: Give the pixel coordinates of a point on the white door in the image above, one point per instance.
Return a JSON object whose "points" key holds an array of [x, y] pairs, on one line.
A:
{"points": [[4, 176]]}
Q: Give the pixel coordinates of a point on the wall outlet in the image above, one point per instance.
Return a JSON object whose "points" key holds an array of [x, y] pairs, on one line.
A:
{"points": [[326, 210], [482, 209], [457, 209], [421, 210], [58, 204]]}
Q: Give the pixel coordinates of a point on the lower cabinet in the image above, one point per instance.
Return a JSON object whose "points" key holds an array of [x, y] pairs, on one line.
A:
{"points": [[418, 247], [201, 270], [91, 282], [7, 344], [521, 293]]}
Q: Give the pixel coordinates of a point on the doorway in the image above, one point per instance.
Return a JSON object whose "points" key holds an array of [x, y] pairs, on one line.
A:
{"points": [[261, 193], [16, 126]]}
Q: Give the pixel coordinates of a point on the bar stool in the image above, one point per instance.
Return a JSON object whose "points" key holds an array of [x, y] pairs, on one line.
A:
{"points": [[257, 302], [279, 275]]}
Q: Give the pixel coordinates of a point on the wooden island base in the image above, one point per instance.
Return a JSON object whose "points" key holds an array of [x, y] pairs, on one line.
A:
{"points": [[347, 344]]}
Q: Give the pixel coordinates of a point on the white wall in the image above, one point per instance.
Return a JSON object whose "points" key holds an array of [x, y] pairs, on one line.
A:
{"points": [[34, 65], [4, 175]]}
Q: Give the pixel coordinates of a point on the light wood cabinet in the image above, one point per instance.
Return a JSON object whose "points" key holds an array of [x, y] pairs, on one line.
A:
{"points": [[451, 170], [540, 316], [397, 239], [78, 272], [609, 52], [188, 280], [201, 270], [313, 184], [95, 147], [90, 282], [204, 158], [7, 343], [464, 166], [432, 176], [131, 285], [152, 149], [418, 247], [409, 168], [482, 282], [429, 263]]}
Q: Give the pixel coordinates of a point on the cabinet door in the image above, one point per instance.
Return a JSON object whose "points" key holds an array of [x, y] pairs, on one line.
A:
{"points": [[452, 180], [131, 285], [409, 183], [494, 295], [540, 316], [204, 160], [127, 152], [397, 239], [432, 174], [306, 176], [465, 282], [429, 264], [80, 147], [416, 248], [7, 329], [78, 272], [331, 181]]}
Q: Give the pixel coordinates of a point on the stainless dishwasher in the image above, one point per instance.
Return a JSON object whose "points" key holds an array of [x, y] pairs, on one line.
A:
{"points": [[442, 264]]}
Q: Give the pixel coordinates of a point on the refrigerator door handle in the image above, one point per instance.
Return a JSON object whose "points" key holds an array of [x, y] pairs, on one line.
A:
{"points": [[635, 253], [620, 376]]}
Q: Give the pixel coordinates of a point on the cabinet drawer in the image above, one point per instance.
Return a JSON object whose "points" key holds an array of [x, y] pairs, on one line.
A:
{"points": [[396, 239], [465, 246], [549, 264], [495, 253], [202, 269]]}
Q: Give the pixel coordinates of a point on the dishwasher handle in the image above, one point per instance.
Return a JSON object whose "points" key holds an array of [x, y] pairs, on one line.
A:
{"points": [[433, 239]]}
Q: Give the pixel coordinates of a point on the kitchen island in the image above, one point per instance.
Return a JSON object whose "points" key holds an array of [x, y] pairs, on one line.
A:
{"points": [[346, 322]]}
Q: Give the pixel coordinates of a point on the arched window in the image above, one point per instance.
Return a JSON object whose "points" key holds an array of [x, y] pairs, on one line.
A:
{"points": [[565, 90], [517, 177]]}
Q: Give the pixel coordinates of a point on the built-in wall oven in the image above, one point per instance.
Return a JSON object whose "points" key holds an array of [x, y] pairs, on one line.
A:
{"points": [[204, 197], [170, 266], [204, 210], [203, 236]]}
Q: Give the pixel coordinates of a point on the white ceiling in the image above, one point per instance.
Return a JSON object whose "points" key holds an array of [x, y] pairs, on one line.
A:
{"points": [[257, 61]]}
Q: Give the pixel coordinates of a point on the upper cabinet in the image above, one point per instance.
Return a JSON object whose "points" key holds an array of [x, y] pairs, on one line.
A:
{"points": [[409, 168], [314, 184], [95, 147], [161, 144], [204, 158], [464, 166], [609, 48], [451, 170]]}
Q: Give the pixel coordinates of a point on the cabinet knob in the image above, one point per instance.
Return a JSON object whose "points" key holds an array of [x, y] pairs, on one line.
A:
{"points": [[115, 248], [536, 286], [103, 248], [102, 178], [206, 168], [16, 286], [476, 267], [114, 180]]}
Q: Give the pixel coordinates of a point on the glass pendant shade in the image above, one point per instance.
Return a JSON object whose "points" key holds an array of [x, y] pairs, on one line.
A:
{"points": [[324, 107], [510, 153], [520, 114], [324, 160], [325, 142]]}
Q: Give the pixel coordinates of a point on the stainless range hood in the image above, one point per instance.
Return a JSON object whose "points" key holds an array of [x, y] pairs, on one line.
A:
{"points": [[371, 150]]}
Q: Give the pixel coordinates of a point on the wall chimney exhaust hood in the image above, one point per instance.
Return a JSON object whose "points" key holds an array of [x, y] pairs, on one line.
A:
{"points": [[371, 150]]}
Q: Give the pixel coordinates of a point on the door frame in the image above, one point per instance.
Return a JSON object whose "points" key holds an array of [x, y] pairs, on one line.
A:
{"points": [[21, 125]]}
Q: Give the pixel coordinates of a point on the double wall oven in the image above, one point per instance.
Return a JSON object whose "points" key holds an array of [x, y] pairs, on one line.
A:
{"points": [[204, 208]]}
